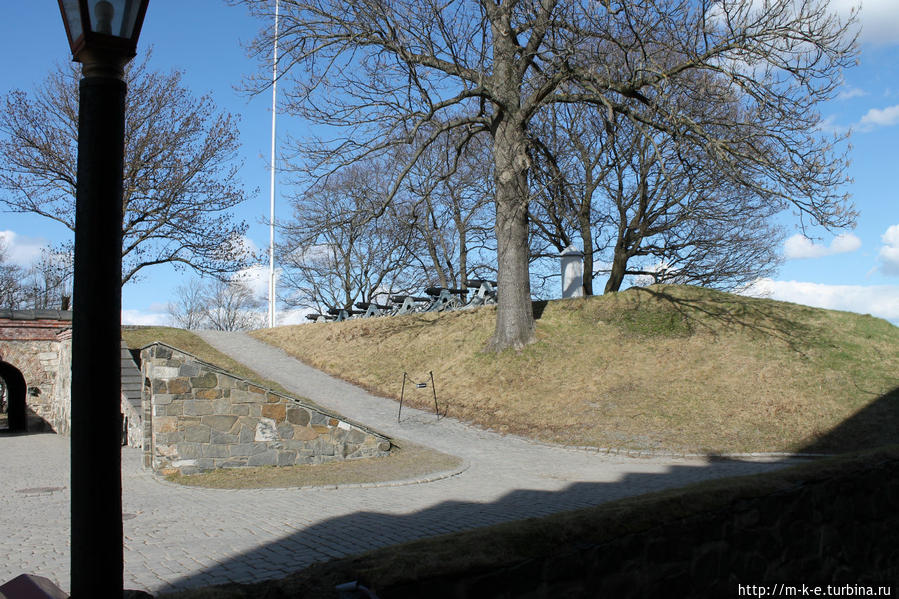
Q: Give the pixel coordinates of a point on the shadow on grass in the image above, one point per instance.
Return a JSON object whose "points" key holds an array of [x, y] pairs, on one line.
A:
{"points": [[364, 531], [762, 317]]}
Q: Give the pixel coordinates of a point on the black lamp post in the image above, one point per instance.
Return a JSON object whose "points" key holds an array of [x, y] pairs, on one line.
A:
{"points": [[103, 37]]}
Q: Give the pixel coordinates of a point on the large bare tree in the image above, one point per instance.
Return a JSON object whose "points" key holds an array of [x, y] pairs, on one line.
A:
{"points": [[180, 178], [384, 69]]}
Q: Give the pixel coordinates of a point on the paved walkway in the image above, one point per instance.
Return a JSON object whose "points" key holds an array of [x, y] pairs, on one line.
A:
{"points": [[177, 537]]}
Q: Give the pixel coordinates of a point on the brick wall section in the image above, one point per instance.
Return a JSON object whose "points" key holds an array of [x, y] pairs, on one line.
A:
{"points": [[198, 417]]}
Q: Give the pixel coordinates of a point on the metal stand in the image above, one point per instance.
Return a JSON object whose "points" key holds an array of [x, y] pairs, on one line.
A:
{"points": [[419, 386]]}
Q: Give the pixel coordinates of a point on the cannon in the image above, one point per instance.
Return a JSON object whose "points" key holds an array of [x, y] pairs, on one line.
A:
{"points": [[484, 294]]}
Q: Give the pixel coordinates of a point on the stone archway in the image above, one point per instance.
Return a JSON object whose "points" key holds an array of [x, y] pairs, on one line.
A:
{"points": [[14, 383]]}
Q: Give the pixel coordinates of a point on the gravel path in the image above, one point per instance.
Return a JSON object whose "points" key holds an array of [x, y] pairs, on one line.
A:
{"points": [[178, 537]]}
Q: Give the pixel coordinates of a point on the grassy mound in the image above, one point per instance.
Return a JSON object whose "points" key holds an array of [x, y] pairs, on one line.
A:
{"points": [[660, 368]]}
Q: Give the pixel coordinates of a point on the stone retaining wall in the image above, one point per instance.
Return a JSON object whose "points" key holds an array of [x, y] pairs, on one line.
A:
{"points": [[198, 417]]}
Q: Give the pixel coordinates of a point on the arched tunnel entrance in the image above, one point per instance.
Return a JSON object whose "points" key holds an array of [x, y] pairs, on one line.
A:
{"points": [[12, 388]]}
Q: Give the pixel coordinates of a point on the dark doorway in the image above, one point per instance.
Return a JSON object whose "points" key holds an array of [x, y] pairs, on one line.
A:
{"points": [[14, 397]]}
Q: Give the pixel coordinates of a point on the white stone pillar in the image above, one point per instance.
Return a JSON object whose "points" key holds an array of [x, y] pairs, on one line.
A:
{"points": [[572, 262]]}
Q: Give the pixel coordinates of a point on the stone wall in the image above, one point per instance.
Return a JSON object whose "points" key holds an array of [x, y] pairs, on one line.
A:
{"points": [[61, 409], [198, 417], [31, 343]]}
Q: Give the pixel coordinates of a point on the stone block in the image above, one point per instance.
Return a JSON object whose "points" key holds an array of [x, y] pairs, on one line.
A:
{"points": [[285, 430], [164, 372], [298, 416], [266, 430], [162, 399], [178, 385], [189, 370], [219, 422], [215, 451], [184, 463], [240, 410], [267, 458], [199, 433], [220, 437], [165, 424], [163, 352], [243, 396], [275, 411], [205, 464], [319, 419], [304, 433], [246, 449], [176, 408], [197, 407], [355, 436], [206, 381], [321, 430], [333, 422], [188, 451], [287, 458], [232, 463], [213, 393], [247, 433], [256, 390]]}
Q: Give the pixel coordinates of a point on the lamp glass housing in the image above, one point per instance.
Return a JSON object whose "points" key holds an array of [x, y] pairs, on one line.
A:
{"points": [[103, 25]]}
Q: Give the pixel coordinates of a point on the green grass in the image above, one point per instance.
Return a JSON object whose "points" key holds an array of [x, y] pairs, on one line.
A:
{"points": [[668, 368]]}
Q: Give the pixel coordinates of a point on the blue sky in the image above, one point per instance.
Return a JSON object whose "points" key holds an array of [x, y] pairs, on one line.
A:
{"points": [[857, 270]]}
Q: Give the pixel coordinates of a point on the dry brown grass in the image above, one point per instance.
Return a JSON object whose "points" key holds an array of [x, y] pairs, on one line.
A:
{"points": [[406, 461], [138, 337], [665, 368]]}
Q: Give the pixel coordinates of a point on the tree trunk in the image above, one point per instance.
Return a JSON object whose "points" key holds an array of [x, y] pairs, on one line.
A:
{"points": [[619, 267], [587, 241], [515, 326]]}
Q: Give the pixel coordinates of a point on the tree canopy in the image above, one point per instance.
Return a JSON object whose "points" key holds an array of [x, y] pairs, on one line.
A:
{"points": [[180, 177], [734, 81]]}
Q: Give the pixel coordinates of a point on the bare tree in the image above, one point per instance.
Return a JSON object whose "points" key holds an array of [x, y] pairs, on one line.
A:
{"points": [[336, 250], [49, 281], [10, 281], [231, 306], [449, 189], [385, 70], [180, 177], [189, 309]]}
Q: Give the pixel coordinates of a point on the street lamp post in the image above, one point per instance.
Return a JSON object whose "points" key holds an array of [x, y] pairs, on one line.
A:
{"points": [[103, 37]]}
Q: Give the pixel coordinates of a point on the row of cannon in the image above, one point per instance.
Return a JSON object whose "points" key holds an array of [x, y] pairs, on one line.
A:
{"points": [[436, 299]]}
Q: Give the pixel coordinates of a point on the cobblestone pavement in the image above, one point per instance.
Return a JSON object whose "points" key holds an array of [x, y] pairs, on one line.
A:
{"points": [[178, 537]]}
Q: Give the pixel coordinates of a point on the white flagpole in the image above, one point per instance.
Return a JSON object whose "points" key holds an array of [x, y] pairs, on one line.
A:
{"points": [[271, 235]]}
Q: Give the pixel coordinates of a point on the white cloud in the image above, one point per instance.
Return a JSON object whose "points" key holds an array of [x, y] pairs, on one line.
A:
{"points": [[891, 236], [878, 300], [852, 92], [136, 317], [288, 317], [799, 246], [21, 250], [879, 19], [880, 117], [889, 253], [256, 278]]}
